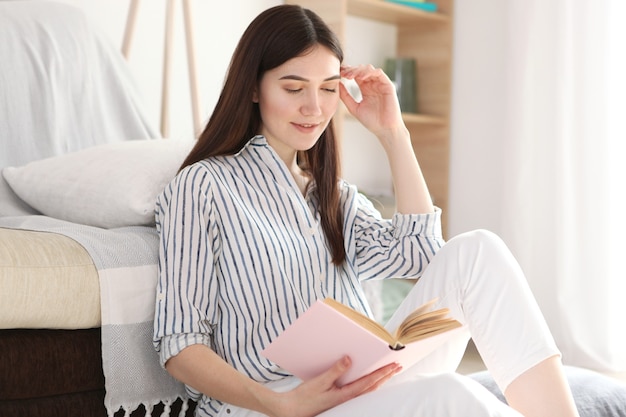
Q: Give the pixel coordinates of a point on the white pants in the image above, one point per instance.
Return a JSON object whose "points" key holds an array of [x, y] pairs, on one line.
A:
{"points": [[475, 276]]}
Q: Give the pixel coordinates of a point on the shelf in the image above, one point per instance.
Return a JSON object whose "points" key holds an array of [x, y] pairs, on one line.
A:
{"points": [[382, 11], [423, 119]]}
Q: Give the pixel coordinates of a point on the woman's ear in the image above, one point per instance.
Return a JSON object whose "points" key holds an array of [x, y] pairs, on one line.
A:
{"points": [[255, 96]]}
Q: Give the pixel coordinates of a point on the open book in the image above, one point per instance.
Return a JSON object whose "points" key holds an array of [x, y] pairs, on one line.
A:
{"points": [[329, 330]]}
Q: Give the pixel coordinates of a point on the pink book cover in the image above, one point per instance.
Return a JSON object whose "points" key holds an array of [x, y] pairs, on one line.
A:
{"points": [[322, 336]]}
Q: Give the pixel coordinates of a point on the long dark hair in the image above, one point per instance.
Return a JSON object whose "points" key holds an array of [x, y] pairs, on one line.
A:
{"points": [[277, 35]]}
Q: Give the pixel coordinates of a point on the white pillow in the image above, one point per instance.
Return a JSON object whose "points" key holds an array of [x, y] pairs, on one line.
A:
{"points": [[10, 204], [111, 185]]}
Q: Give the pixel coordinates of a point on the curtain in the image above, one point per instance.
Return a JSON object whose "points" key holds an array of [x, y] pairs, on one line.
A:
{"points": [[563, 204]]}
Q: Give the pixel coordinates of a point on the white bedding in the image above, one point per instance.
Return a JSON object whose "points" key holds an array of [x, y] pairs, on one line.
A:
{"points": [[63, 85]]}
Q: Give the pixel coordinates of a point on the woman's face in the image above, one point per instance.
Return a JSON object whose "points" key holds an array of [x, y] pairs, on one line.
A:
{"points": [[298, 99]]}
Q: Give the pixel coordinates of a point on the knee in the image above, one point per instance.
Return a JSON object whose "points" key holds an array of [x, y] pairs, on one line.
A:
{"points": [[480, 244], [477, 238], [482, 254]]}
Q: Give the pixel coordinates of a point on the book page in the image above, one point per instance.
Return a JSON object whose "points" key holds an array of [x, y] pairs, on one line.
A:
{"points": [[362, 320], [425, 322]]}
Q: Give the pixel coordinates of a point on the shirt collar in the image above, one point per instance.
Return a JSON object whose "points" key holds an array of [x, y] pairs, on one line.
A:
{"points": [[258, 140]]}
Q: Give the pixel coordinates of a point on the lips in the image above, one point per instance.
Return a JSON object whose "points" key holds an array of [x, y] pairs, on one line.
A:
{"points": [[306, 125]]}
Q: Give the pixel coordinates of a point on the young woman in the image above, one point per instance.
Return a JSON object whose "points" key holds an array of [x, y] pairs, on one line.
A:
{"points": [[257, 226]]}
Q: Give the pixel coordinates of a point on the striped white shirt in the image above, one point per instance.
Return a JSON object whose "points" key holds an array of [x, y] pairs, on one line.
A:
{"points": [[243, 254]]}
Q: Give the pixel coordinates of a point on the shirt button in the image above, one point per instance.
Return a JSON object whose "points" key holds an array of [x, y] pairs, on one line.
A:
{"points": [[312, 231], [161, 296]]}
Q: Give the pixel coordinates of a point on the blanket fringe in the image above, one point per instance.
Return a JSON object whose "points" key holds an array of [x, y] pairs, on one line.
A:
{"points": [[167, 409], [184, 408]]}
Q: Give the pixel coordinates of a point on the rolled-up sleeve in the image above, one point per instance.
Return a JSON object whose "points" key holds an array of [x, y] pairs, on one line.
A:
{"points": [[400, 247], [172, 345]]}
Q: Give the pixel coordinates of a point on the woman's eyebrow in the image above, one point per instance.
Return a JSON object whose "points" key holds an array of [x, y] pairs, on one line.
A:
{"points": [[299, 78]]}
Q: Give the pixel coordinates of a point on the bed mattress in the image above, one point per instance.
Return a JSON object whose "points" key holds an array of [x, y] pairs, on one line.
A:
{"points": [[54, 284]]}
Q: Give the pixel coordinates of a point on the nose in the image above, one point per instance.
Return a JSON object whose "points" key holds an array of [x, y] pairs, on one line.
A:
{"points": [[311, 105]]}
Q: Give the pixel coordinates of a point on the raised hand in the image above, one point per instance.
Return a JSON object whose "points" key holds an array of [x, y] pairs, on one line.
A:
{"points": [[379, 110]]}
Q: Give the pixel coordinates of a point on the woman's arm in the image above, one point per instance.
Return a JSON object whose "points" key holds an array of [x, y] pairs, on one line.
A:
{"points": [[201, 368], [379, 111]]}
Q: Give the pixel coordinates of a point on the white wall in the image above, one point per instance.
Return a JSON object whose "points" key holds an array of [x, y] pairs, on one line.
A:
{"points": [[477, 119]]}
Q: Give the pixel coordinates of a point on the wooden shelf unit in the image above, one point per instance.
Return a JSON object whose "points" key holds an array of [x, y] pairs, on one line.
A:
{"points": [[392, 13], [427, 37]]}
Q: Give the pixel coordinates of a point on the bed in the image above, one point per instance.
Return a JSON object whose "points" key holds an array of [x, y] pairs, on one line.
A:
{"points": [[81, 167]]}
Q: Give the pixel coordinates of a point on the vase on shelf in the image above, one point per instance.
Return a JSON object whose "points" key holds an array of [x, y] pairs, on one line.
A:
{"points": [[402, 72]]}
